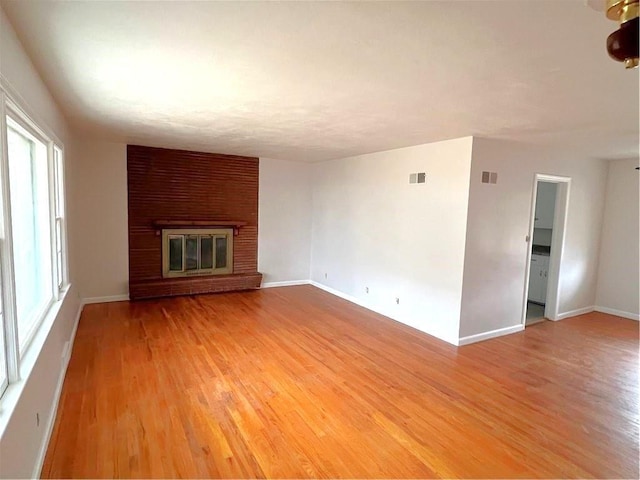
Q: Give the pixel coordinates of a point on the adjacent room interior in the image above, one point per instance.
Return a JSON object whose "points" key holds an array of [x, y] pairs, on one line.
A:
{"points": [[543, 230], [319, 239]]}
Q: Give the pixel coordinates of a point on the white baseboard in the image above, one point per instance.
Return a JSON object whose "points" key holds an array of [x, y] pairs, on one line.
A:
{"points": [[499, 332], [288, 283], [573, 313], [111, 298], [390, 315], [54, 410], [618, 313], [340, 294]]}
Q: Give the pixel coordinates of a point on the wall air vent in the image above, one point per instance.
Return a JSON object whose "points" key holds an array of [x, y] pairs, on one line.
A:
{"points": [[489, 177], [420, 177]]}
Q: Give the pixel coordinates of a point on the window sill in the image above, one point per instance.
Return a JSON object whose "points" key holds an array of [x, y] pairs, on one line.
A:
{"points": [[12, 395]]}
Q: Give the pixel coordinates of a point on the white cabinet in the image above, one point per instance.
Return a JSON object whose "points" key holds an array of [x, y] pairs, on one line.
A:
{"points": [[545, 205], [538, 275]]}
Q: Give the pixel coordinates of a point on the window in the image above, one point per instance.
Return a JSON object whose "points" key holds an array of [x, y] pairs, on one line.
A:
{"points": [[30, 228], [4, 377], [33, 262], [59, 218]]}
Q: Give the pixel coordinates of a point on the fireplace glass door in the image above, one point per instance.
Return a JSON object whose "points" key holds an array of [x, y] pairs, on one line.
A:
{"points": [[187, 252]]}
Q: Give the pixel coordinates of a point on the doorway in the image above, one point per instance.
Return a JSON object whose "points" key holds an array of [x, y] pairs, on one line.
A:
{"points": [[545, 242]]}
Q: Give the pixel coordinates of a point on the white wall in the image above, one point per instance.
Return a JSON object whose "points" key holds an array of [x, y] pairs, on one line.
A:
{"points": [[284, 219], [98, 192], [618, 283], [542, 236], [496, 251], [22, 442], [371, 228]]}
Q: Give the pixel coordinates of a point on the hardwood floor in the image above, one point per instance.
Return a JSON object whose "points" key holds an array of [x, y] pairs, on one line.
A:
{"points": [[294, 382]]}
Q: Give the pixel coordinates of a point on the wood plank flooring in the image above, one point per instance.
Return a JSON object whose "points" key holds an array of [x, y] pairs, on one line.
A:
{"points": [[294, 382]]}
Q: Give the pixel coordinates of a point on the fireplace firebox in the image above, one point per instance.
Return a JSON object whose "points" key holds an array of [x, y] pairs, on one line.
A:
{"points": [[204, 251]]}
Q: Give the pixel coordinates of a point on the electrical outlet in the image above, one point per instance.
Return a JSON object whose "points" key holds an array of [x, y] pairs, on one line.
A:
{"points": [[366, 289], [397, 300], [325, 274]]}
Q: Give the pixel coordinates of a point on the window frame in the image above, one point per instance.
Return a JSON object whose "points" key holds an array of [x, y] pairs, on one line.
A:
{"points": [[24, 129], [13, 350], [4, 384], [9, 324], [61, 279]]}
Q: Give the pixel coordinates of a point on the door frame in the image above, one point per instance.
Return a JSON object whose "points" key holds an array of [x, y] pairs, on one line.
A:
{"points": [[560, 217]]}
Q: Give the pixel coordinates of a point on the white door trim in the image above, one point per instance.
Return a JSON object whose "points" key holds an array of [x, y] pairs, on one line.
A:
{"points": [[557, 243]]}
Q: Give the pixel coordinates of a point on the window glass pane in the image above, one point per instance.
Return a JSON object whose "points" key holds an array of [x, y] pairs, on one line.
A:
{"points": [[191, 252], [58, 235], [175, 254], [3, 352], [3, 361], [59, 184], [60, 276], [59, 213], [206, 251], [221, 252], [59, 271], [29, 188]]}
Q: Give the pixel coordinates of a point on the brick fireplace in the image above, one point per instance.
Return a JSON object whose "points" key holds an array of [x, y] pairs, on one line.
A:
{"points": [[193, 222]]}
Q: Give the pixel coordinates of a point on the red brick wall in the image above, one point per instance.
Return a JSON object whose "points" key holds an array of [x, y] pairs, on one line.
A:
{"points": [[179, 185]]}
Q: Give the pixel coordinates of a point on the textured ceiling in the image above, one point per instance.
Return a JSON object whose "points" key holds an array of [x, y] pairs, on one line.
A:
{"points": [[310, 81]]}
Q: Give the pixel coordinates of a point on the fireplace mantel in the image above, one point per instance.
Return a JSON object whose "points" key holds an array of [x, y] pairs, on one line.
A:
{"points": [[235, 224]]}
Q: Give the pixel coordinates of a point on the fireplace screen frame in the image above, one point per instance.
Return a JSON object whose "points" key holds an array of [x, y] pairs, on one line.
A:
{"points": [[183, 233]]}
